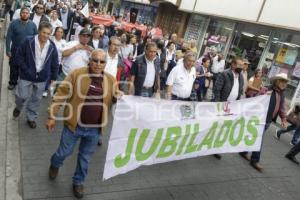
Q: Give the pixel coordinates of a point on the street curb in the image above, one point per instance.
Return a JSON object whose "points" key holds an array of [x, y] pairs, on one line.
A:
{"points": [[10, 147]]}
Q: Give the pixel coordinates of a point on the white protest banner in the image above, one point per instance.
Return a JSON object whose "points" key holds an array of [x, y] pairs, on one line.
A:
{"points": [[148, 131]]}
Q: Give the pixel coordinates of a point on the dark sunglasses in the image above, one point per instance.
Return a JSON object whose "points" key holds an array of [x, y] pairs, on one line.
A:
{"points": [[98, 61]]}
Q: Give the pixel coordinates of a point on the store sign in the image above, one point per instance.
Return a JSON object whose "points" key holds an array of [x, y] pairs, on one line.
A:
{"points": [[149, 131]]}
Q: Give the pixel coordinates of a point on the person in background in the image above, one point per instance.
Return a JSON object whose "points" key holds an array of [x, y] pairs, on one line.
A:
{"points": [[170, 51], [86, 24], [276, 107], [229, 84], [8, 9], [145, 73], [55, 22], [17, 32], [203, 75], [294, 119], [38, 60], [217, 66], [65, 16], [193, 47], [76, 54], [292, 153], [126, 50], [60, 44], [172, 63], [98, 39], [181, 79], [133, 43], [254, 85], [245, 76], [38, 15]]}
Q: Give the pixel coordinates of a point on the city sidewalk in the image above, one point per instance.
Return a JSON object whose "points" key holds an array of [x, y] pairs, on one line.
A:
{"points": [[25, 154]]}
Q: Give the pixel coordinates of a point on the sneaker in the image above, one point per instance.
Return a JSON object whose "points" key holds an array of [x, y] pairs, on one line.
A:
{"points": [[16, 113], [277, 134], [45, 94], [11, 87], [78, 191], [31, 124]]}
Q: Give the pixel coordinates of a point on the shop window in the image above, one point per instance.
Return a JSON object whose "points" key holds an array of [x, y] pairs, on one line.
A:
{"points": [[283, 57], [217, 35]]}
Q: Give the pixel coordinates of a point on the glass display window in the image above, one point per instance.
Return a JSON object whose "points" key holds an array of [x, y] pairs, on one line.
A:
{"points": [[283, 57], [217, 35]]}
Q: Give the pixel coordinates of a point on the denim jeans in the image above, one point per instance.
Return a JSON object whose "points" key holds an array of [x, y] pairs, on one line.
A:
{"points": [[31, 92], [88, 143], [255, 157], [291, 128]]}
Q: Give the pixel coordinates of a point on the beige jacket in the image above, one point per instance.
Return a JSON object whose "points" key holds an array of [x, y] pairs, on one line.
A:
{"points": [[72, 92]]}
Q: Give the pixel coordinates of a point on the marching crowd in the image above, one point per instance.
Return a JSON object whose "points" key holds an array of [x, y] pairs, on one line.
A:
{"points": [[53, 47]]}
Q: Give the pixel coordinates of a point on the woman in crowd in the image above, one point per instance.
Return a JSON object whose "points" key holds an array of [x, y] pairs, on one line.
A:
{"points": [[203, 79], [254, 84]]}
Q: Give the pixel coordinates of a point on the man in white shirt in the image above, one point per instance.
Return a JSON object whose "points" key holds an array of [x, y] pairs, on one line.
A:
{"points": [[145, 73], [245, 76], [37, 59], [113, 56], [76, 54], [181, 79], [229, 84]]}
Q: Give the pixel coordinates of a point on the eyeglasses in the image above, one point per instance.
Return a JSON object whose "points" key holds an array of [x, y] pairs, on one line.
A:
{"points": [[98, 61], [40, 8]]}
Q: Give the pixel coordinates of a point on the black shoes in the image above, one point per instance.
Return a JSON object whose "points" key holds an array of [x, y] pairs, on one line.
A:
{"points": [[292, 158], [78, 191], [31, 124], [11, 87], [53, 172], [16, 113], [217, 156]]}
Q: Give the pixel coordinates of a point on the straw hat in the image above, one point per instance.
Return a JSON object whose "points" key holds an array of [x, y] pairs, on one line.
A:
{"points": [[280, 76], [246, 61]]}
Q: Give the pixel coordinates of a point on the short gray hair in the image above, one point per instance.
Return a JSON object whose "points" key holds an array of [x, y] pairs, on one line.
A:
{"points": [[189, 54]]}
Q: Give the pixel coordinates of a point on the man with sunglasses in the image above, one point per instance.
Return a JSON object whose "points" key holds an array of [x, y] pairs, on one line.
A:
{"points": [[39, 15], [84, 91]]}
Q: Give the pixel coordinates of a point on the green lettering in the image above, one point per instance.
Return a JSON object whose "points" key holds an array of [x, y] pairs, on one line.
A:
{"points": [[119, 161], [140, 156], [191, 147], [173, 134], [241, 123], [209, 137], [252, 129], [223, 134]]}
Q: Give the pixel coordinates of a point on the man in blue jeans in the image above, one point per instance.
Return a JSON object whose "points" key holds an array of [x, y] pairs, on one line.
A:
{"points": [[84, 91]]}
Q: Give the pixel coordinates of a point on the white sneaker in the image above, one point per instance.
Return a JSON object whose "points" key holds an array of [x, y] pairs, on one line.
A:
{"points": [[45, 94]]}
